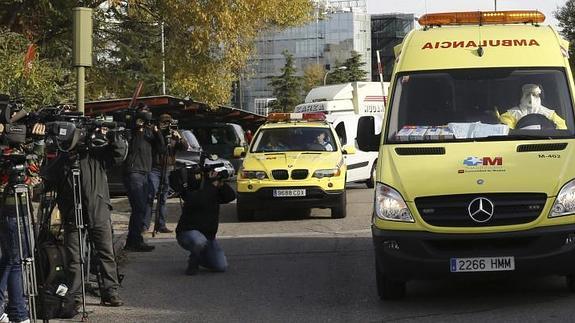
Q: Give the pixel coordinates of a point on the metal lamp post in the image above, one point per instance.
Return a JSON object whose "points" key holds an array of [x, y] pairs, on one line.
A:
{"points": [[341, 68]]}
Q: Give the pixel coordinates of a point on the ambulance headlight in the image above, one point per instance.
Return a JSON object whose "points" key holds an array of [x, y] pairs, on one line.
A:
{"points": [[321, 173], [565, 201], [251, 174], [389, 205]]}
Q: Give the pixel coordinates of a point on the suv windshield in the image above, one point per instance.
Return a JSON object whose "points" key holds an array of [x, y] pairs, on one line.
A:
{"points": [[294, 139], [481, 104]]}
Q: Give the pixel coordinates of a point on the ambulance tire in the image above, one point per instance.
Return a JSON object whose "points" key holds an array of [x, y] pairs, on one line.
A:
{"points": [[340, 211], [370, 183], [570, 280], [304, 213], [244, 214], [388, 289]]}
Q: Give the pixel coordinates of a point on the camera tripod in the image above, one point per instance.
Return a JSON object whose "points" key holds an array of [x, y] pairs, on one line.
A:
{"points": [[26, 234]]}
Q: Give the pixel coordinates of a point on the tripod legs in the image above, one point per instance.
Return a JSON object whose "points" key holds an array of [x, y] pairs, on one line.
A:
{"points": [[79, 218], [26, 246]]}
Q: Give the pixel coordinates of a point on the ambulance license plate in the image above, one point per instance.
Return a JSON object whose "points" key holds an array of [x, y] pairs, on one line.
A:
{"points": [[459, 265], [289, 193]]}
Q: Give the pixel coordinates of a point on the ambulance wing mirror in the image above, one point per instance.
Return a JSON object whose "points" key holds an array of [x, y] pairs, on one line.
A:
{"points": [[367, 140], [239, 152]]}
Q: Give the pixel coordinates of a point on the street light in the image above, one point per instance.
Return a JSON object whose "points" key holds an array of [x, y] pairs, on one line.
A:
{"points": [[341, 68]]}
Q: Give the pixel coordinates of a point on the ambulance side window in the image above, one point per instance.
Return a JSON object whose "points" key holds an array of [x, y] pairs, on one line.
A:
{"points": [[340, 130]]}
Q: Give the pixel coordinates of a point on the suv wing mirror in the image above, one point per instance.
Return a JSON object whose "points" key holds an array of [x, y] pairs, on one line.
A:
{"points": [[239, 152], [367, 140]]}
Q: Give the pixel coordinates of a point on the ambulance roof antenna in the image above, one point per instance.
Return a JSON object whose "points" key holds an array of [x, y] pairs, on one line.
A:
{"points": [[480, 50]]}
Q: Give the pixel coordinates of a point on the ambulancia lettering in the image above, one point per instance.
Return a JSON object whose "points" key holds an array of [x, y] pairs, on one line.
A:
{"points": [[483, 43]]}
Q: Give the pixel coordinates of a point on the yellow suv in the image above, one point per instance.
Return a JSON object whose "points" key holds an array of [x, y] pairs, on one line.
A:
{"points": [[294, 161]]}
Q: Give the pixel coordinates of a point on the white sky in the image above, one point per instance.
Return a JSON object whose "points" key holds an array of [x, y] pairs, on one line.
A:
{"points": [[418, 7]]}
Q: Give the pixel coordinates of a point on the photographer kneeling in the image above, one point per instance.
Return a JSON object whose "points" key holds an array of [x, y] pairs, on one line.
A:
{"points": [[198, 225]]}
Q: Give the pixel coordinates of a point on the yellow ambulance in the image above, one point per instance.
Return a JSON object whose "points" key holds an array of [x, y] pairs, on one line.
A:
{"points": [[476, 171], [295, 162]]}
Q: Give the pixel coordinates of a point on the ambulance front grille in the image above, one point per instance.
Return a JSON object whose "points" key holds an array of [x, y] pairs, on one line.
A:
{"points": [[299, 174], [454, 210], [280, 174]]}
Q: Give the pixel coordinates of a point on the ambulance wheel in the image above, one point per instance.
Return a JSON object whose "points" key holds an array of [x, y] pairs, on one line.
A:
{"points": [[340, 211], [304, 213], [244, 214], [570, 280], [388, 289], [372, 176]]}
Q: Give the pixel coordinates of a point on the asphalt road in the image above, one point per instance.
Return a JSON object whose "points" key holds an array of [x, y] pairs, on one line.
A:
{"points": [[284, 268]]}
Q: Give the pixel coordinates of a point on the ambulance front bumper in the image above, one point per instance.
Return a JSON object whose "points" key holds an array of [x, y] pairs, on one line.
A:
{"points": [[404, 255]]}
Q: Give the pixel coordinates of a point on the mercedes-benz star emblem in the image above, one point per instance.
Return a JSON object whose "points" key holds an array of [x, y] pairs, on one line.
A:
{"points": [[481, 210]]}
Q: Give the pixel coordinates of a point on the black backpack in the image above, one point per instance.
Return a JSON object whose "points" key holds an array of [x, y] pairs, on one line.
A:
{"points": [[52, 273]]}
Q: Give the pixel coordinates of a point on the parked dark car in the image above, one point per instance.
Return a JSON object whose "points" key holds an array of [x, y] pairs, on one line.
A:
{"points": [[191, 155], [220, 139]]}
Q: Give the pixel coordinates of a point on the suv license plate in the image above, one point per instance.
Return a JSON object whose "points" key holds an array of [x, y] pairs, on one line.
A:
{"points": [[289, 193], [459, 265]]}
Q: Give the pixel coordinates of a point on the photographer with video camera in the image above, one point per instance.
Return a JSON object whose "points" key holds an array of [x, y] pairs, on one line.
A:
{"points": [[21, 151], [163, 163], [84, 164], [198, 224], [144, 139]]}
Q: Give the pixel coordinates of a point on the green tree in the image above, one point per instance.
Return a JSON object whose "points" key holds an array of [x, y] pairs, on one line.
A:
{"points": [[337, 75], [353, 72], [312, 76], [355, 68], [566, 17], [286, 87], [208, 43], [37, 83]]}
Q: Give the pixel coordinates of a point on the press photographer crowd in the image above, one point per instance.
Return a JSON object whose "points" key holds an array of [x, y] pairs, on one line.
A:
{"points": [[53, 249]]}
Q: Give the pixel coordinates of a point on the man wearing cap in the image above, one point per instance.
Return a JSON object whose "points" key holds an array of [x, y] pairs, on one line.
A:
{"points": [[162, 163], [531, 104]]}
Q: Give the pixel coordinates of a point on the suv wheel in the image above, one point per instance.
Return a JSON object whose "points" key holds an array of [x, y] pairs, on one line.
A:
{"points": [[244, 214], [388, 289], [370, 183], [570, 280], [340, 212]]}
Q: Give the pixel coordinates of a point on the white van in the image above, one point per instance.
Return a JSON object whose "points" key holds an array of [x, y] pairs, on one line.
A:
{"points": [[344, 104]]}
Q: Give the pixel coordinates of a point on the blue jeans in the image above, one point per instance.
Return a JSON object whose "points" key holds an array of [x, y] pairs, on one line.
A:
{"points": [[154, 185], [137, 187], [203, 252], [10, 266]]}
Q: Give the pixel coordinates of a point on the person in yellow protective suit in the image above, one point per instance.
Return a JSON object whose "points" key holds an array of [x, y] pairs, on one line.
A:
{"points": [[530, 104]]}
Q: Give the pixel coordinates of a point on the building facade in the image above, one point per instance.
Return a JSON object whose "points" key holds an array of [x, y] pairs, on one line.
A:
{"points": [[387, 31], [340, 27]]}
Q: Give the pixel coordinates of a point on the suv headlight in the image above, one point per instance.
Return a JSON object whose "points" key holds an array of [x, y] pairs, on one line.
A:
{"points": [[565, 201], [389, 205], [254, 174], [321, 173]]}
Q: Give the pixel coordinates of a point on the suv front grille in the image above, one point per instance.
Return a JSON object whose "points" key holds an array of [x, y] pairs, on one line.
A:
{"points": [[454, 210], [299, 173], [280, 174]]}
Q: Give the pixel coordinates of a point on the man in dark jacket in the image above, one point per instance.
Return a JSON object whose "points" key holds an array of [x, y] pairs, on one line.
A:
{"points": [[198, 225], [163, 164], [97, 211], [144, 139]]}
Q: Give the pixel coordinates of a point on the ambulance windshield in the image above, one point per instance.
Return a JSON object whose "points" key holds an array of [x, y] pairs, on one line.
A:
{"points": [[294, 139], [481, 104]]}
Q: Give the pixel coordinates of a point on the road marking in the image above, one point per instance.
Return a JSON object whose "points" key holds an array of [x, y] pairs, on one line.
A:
{"points": [[297, 234]]}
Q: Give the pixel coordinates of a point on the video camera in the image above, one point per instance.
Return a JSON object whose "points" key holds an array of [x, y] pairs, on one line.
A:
{"points": [[18, 122], [131, 118], [191, 176], [72, 131]]}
